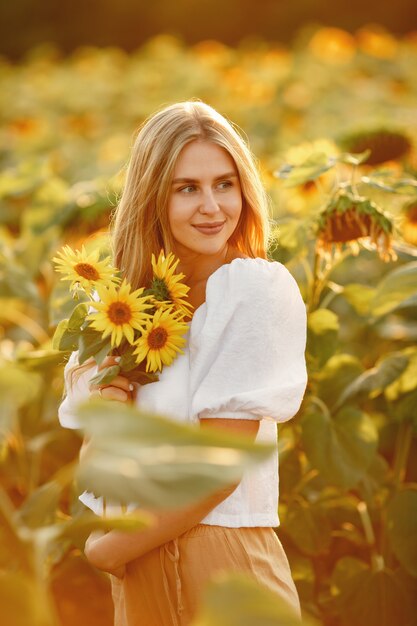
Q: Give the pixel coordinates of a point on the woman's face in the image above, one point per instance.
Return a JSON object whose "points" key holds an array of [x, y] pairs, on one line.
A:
{"points": [[205, 200]]}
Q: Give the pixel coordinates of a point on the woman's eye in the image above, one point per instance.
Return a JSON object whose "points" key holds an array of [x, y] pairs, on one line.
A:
{"points": [[225, 184], [187, 189]]}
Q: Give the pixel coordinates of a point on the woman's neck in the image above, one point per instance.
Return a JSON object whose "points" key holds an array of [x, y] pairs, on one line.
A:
{"points": [[198, 267]]}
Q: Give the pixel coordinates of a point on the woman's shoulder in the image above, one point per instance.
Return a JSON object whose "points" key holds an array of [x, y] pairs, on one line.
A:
{"points": [[247, 277]]}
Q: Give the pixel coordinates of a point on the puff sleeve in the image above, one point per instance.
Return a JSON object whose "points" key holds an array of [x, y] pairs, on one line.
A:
{"points": [[77, 391], [247, 346]]}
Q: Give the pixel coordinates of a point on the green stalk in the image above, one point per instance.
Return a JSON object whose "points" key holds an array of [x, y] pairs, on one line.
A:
{"points": [[377, 560]]}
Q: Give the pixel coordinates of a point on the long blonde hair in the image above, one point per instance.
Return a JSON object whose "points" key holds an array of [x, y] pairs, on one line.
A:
{"points": [[140, 223]]}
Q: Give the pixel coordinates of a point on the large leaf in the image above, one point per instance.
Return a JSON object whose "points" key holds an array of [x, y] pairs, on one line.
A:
{"points": [[375, 380], [322, 326], [394, 289], [235, 599], [402, 528], [359, 297], [308, 526], [313, 167], [152, 460], [341, 447], [339, 371], [407, 380], [41, 506], [91, 343], [371, 598]]}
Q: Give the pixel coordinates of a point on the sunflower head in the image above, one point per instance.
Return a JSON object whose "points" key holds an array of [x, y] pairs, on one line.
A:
{"points": [[161, 340], [166, 287], [347, 219], [84, 270], [120, 312], [384, 144]]}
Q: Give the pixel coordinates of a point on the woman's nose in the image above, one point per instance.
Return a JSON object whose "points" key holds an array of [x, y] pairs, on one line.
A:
{"points": [[209, 204]]}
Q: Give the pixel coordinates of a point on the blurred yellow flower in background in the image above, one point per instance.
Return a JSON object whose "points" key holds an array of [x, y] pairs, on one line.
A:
{"points": [[333, 45], [377, 42]]}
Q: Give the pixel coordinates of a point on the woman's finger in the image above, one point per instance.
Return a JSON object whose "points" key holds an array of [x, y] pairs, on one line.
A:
{"points": [[117, 381], [113, 393]]}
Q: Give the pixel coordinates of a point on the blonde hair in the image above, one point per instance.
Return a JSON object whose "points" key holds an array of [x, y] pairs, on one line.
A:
{"points": [[140, 222]]}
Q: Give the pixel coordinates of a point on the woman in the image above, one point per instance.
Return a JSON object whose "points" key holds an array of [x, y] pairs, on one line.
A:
{"points": [[193, 188]]}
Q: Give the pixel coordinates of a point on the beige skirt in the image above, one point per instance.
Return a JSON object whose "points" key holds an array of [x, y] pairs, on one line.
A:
{"points": [[164, 587]]}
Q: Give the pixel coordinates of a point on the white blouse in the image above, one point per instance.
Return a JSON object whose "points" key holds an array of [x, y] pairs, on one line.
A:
{"points": [[244, 359]]}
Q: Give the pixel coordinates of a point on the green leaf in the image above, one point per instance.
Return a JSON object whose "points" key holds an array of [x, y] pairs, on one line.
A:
{"points": [[372, 598], [359, 297], [402, 528], [321, 321], [156, 461], [308, 526], [313, 167], [235, 599], [91, 343], [375, 380], [407, 379], [339, 371], [322, 326], [41, 506], [59, 332], [106, 375], [78, 316], [340, 447], [394, 289], [69, 340]]}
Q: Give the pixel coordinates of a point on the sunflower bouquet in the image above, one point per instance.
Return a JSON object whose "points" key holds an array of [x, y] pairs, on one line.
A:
{"points": [[144, 327]]}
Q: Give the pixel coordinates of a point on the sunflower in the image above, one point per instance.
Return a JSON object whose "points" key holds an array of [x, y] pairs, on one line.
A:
{"points": [[120, 312], [385, 144], [161, 340], [84, 270], [167, 286], [348, 219]]}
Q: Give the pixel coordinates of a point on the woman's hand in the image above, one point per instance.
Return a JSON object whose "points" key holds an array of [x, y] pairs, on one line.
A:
{"points": [[120, 388]]}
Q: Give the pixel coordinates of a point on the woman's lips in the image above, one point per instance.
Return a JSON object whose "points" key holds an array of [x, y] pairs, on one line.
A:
{"points": [[209, 229]]}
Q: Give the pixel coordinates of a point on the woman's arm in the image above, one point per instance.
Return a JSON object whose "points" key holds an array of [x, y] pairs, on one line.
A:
{"points": [[113, 550]]}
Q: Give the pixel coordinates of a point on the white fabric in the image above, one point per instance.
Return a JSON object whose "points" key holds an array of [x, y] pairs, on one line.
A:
{"points": [[244, 359]]}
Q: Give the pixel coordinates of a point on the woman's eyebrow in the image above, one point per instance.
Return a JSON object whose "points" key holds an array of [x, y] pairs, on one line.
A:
{"points": [[195, 180]]}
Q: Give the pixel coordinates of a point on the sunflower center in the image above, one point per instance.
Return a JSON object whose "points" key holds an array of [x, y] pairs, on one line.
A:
{"points": [[157, 338], [119, 313], [87, 271]]}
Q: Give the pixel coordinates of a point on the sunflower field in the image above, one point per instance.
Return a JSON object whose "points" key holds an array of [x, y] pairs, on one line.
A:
{"points": [[333, 122]]}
